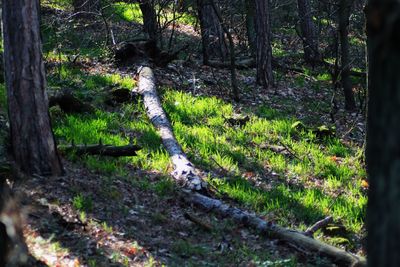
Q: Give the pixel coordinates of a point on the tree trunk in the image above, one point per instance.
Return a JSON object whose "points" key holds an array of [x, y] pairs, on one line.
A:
{"points": [[86, 5], [310, 42], [344, 15], [32, 140], [212, 34], [383, 131], [250, 26], [184, 171], [232, 67], [149, 19], [4, 240], [264, 50]]}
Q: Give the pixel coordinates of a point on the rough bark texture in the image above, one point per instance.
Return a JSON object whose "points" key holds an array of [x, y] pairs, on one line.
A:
{"points": [[234, 84], [264, 50], [250, 26], [184, 171], [32, 139], [383, 132], [344, 15], [308, 32], [212, 34], [300, 240], [149, 19]]}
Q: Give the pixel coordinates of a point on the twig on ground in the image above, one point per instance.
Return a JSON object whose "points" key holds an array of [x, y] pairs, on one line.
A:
{"points": [[197, 220], [318, 225]]}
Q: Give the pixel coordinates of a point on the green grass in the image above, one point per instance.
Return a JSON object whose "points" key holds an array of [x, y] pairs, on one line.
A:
{"points": [[129, 12], [57, 4], [319, 177], [70, 40], [82, 203], [3, 97]]}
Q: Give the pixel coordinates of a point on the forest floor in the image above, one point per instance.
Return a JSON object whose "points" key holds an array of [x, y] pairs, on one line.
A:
{"points": [[277, 152]]}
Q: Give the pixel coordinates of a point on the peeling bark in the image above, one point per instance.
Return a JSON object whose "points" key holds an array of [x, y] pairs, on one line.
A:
{"points": [[184, 171]]}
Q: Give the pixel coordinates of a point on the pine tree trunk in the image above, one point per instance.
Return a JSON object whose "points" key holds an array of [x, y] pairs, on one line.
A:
{"points": [[250, 26], [32, 139], [309, 37], [344, 15], [212, 34], [383, 132], [149, 19], [264, 50]]}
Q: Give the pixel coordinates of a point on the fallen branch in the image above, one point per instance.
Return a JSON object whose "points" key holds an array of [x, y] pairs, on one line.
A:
{"points": [[184, 171], [318, 225], [198, 221], [298, 239], [247, 63], [103, 150]]}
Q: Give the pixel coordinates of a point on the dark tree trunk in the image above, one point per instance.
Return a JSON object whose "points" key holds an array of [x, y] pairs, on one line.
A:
{"points": [[308, 32], [212, 34], [264, 50], [235, 89], [86, 5], [149, 19], [32, 140], [4, 240], [344, 15], [250, 26], [383, 132]]}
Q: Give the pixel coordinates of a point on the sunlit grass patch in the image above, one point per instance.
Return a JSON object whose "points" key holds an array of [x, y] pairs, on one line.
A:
{"points": [[70, 42], [127, 11], [3, 97], [325, 172], [82, 203], [57, 4]]}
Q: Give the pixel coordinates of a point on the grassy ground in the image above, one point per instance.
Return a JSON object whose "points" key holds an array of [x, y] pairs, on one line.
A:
{"points": [[275, 154]]}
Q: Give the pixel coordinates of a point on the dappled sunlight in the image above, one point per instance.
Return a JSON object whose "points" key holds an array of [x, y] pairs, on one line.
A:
{"points": [[278, 159], [102, 246], [290, 165]]}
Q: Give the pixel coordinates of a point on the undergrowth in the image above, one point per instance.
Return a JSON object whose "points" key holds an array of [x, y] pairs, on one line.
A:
{"points": [[312, 178]]}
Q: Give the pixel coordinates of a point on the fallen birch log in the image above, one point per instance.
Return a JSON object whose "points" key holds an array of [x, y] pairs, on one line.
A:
{"points": [[341, 257], [184, 171], [103, 150]]}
